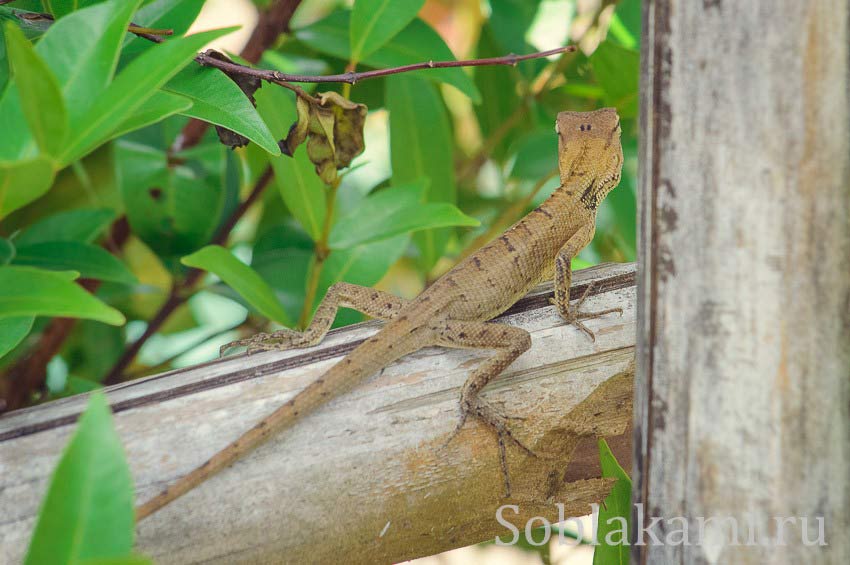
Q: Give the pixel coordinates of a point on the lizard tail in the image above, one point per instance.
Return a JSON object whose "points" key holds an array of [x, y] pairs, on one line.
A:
{"points": [[366, 359]]}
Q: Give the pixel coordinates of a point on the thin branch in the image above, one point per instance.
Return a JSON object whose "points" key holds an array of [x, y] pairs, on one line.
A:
{"points": [[181, 291], [355, 77]]}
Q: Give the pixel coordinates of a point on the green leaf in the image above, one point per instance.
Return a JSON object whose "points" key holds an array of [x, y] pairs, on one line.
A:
{"points": [[218, 100], [19, 144], [391, 212], [374, 22], [418, 42], [499, 94], [76, 385], [88, 511], [302, 190], [421, 147], [131, 88], [23, 182], [176, 15], [91, 261], [82, 51], [364, 265], [82, 224], [40, 98], [241, 278], [618, 504], [7, 251], [617, 70], [155, 109], [510, 20], [625, 24], [536, 154], [26, 291], [277, 108], [4, 62], [282, 255], [13, 331], [26, 15], [60, 8], [175, 210]]}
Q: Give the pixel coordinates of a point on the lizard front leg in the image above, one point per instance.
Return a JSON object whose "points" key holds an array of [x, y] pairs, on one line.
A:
{"points": [[564, 278], [371, 302], [509, 343]]}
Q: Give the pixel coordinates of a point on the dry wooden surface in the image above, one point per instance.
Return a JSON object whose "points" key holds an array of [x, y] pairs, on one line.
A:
{"points": [[744, 323], [365, 477]]}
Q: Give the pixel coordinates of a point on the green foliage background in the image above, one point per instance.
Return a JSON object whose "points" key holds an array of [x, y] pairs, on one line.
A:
{"points": [[106, 218]]}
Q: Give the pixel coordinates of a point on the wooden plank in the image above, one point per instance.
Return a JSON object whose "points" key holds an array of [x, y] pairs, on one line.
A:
{"points": [[741, 408], [366, 476]]}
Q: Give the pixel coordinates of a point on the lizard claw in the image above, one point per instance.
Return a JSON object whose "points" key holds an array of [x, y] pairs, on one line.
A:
{"points": [[280, 340], [456, 431], [573, 314], [495, 421]]}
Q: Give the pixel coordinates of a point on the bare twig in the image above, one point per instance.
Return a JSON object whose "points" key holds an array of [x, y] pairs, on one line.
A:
{"points": [[355, 77]]}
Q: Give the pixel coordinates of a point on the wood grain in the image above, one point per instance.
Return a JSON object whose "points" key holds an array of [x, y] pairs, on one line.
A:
{"points": [[743, 392], [366, 476]]}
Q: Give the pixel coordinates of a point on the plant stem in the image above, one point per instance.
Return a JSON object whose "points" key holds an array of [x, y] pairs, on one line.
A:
{"points": [[320, 255]]}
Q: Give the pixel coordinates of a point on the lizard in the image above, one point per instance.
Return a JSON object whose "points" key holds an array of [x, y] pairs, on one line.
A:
{"points": [[455, 310]]}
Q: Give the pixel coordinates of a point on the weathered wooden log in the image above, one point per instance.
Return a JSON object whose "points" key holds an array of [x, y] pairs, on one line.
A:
{"points": [[367, 476]]}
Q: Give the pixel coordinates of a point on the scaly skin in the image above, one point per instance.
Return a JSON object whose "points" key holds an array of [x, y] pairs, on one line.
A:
{"points": [[455, 310]]}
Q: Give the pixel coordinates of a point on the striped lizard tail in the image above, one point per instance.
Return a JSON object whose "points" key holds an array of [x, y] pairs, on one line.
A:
{"points": [[370, 356]]}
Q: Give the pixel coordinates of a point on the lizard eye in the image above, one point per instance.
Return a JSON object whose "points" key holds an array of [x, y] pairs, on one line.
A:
{"points": [[588, 127], [581, 127]]}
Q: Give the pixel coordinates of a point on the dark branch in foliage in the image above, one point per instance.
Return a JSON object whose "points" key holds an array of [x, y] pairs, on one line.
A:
{"points": [[27, 377], [180, 292]]}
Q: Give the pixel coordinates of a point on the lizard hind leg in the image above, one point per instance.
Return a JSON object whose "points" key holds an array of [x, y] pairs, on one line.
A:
{"points": [[371, 302], [509, 343]]}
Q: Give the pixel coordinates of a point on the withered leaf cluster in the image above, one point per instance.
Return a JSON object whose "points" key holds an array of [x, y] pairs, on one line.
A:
{"points": [[333, 128]]}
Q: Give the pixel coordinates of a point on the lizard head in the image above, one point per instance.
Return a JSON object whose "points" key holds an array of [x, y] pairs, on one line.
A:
{"points": [[590, 156]]}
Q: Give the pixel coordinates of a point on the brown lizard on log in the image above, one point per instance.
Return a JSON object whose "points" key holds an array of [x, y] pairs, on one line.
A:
{"points": [[454, 311]]}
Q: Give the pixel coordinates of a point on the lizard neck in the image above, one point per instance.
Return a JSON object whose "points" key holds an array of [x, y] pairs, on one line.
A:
{"points": [[570, 203]]}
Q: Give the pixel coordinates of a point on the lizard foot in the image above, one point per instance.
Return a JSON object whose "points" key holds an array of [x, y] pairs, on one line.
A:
{"points": [[573, 314], [497, 422], [280, 340]]}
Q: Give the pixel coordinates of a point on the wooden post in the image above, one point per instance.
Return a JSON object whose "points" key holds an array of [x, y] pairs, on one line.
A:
{"points": [[743, 375], [368, 476]]}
